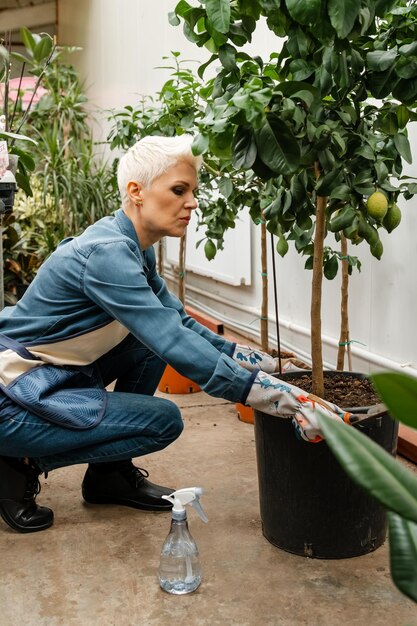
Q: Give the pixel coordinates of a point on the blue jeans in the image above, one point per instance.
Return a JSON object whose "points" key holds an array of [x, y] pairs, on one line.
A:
{"points": [[135, 423]]}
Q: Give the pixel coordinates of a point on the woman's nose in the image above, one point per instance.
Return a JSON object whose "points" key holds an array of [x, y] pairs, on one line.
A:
{"points": [[191, 202]]}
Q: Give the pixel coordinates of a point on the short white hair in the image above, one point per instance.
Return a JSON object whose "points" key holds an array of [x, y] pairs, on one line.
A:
{"points": [[150, 157]]}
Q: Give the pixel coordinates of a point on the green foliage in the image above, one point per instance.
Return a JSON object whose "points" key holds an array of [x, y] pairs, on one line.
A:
{"points": [[310, 106], [53, 141], [391, 483]]}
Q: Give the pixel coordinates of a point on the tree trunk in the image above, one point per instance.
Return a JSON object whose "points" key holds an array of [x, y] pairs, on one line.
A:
{"points": [[344, 315], [181, 269], [316, 289], [264, 270]]}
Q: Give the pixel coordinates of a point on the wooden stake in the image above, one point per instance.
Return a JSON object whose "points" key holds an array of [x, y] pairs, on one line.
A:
{"points": [[264, 270], [344, 316], [181, 269]]}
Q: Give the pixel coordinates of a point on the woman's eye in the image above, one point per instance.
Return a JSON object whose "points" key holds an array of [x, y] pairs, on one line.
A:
{"points": [[178, 191]]}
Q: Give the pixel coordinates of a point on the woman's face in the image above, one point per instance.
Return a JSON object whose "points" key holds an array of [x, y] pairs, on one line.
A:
{"points": [[166, 206]]}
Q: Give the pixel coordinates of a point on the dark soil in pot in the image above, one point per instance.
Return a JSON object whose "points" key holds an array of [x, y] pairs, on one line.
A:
{"points": [[346, 389]]}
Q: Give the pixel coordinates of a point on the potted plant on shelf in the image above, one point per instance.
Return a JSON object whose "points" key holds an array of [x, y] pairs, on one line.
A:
{"points": [[303, 123]]}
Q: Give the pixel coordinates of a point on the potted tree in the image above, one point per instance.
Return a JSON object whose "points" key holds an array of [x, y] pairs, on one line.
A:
{"points": [[302, 123]]}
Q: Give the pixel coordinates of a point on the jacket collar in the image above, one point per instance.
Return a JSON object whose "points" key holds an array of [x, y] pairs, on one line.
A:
{"points": [[126, 226]]}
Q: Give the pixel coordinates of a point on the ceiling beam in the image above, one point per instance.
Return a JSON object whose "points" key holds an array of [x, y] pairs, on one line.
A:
{"points": [[31, 17]]}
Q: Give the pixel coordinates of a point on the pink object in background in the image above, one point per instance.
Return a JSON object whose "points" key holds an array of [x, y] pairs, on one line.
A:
{"points": [[26, 89]]}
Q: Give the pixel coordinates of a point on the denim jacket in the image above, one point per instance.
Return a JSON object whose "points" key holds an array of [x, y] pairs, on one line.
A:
{"points": [[88, 296]]}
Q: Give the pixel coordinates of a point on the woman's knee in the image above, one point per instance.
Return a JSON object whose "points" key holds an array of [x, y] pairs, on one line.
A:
{"points": [[173, 421]]}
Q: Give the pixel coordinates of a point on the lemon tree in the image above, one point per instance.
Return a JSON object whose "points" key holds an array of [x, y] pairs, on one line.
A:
{"points": [[322, 122]]}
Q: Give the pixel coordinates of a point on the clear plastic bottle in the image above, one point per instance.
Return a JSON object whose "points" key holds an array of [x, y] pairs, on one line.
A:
{"points": [[179, 568]]}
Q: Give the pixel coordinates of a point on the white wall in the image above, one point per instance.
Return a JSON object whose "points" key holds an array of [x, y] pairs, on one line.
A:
{"points": [[123, 41]]}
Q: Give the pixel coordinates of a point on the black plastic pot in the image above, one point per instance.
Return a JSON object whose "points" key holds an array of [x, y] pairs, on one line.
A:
{"points": [[308, 504]]}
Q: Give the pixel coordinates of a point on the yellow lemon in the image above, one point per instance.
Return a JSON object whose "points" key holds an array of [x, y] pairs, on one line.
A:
{"points": [[377, 205], [392, 217]]}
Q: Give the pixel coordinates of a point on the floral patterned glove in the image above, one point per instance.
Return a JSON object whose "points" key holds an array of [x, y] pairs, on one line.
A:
{"points": [[276, 397], [252, 359]]}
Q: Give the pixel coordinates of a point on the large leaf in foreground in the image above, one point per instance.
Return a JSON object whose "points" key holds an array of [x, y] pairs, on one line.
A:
{"points": [[403, 554], [371, 467], [399, 392]]}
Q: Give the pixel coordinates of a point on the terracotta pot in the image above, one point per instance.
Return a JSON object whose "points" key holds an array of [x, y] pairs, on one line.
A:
{"points": [[244, 413], [173, 382]]}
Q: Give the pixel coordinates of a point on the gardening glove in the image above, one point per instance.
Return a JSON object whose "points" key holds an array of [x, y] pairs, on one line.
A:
{"points": [[277, 397], [252, 359]]}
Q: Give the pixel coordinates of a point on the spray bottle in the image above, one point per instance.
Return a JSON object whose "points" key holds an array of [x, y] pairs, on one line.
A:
{"points": [[179, 568]]}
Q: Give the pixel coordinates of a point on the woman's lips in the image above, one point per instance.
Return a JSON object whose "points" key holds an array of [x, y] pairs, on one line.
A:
{"points": [[185, 219]]}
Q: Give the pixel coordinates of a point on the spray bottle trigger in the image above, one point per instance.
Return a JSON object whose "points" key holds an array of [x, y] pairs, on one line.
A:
{"points": [[197, 506]]}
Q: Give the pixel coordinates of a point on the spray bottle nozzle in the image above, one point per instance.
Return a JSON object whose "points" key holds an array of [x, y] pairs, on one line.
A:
{"points": [[182, 497]]}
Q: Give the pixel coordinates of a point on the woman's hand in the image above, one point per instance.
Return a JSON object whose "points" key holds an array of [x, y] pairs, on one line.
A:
{"points": [[252, 359], [277, 397]]}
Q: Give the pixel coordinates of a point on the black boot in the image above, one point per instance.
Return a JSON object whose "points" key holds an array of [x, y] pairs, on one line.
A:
{"points": [[19, 486], [123, 483]]}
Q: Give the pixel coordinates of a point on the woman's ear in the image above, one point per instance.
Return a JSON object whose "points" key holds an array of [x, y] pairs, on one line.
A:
{"points": [[134, 191]]}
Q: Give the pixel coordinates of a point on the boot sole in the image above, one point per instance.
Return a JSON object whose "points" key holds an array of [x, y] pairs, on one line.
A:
{"points": [[22, 529], [131, 503]]}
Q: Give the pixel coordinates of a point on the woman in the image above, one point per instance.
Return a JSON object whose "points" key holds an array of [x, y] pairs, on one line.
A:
{"points": [[97, 312]]}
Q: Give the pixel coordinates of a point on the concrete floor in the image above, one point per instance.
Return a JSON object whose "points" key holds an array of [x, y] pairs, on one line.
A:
{"points": [[97, 565]]}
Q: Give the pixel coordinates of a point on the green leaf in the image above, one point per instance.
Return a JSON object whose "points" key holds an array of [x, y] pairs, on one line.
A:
{"points": [[371, 467], [330, 267], [366, 152], [328, 182], [408, 49], [23, 182], [399, 392], [309, 264], [27, 39], [291, 87], [403, 146], [406, 90], [43, 49], [406, 68], [20, 57], [403, 115], [277, 146], [343, 15], [304, 12], [341, 192], [15, 136], [24, 158], [244, 148], [381, 60], [383, 6], [403, 554], [204, 66], [200, 144], [225, 187], [227, 56], [173, 18], [218, 13], [183, 8], [382, 83]]}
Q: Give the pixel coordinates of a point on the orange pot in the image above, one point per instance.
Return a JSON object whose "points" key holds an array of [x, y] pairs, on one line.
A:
{"points": [[245, 413], [173, 382]]}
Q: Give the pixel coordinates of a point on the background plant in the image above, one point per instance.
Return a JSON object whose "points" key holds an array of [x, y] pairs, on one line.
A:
{"points": [[304, 123], [74, 186]]}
